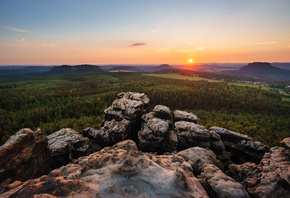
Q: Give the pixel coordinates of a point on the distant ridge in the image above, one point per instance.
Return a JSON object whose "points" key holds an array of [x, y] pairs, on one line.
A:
{"points": [[76, 69], [156, 68], [125, 68]]}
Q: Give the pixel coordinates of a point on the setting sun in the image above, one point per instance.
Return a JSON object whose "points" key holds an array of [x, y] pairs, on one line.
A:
{"points": [[190, 60]]}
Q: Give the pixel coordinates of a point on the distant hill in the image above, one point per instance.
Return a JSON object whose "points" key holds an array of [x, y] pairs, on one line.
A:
{"points": [[155, 68], [258, 69], [16, 70], [125, 68], [261, 69], [66, 69]]}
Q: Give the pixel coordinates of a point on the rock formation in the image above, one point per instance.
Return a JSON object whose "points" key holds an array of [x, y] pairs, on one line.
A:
{"points": [[191, 134], [242, 148], [66, 145], [184, 116], [188, 159], [25, 155], [118, 171], [270, 178], [122, 119]]}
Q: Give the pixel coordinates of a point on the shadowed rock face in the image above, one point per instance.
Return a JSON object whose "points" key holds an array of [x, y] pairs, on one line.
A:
{"points": [[118, 171], [25, 155], [67, 144], [242, 148], [271, 178], [162, 112]]}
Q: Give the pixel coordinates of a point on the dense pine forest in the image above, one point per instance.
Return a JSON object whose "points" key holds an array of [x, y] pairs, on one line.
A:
{"points": [[78, 100]]}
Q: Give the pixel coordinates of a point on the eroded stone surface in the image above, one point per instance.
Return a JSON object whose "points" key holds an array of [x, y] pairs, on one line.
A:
{"points": [[269, 179], [130, 106], [117, 171], [220, 185], [153, 135], [199, 158], [179, 115], [162, 112], [25, 155], [63, 145], [191, 134]]}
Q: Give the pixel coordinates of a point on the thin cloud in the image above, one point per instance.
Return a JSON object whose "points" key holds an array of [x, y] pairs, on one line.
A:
{"points": [[266, 43], [288, 46], [22, 42], [189, 43], [155, 31], [201, 48], [137, 44], [161, 50], [14, 29]]}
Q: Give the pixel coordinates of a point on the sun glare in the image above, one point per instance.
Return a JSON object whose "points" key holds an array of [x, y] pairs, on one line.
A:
{"points": [[190, 60]]}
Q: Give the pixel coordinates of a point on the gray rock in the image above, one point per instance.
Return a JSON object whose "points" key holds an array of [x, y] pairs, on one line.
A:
{"points": [[199, 158], [191, 134], [216, 183], [130, 106], [179, 115], [162, 112], [60, 143], [286, 143], [275, 176], [118, 171], [113, 132], [218, 147], [24, 156], [271, 178], [91, 133], [153, 134], [220, 185], [242, 148]]}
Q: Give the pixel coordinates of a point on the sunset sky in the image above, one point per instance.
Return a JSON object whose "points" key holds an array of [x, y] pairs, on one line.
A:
{"points": [[143, 31]]}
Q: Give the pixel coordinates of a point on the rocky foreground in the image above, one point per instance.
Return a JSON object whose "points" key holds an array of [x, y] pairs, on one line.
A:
{"points": [[145, 154]]}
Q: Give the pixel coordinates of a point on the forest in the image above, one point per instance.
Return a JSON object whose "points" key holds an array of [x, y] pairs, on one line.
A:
{"points": [[78, 100]]}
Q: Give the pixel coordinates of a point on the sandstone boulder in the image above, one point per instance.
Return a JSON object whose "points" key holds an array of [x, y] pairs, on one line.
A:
{"points": [[191, 134], [64, 146], [118, 171], [179, 115], [242, 148], [130, 106], [199, 158], [220, 185], [152, 136], [271, 178], [162, 112], [216, 183], [25, 155]]}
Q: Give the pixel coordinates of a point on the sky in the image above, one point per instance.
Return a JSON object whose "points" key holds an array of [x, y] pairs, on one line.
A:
{"points": [[55, 32]]}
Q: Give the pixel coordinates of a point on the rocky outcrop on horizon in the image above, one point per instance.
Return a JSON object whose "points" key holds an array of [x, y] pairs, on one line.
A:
{"points": [[151, 154]]}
